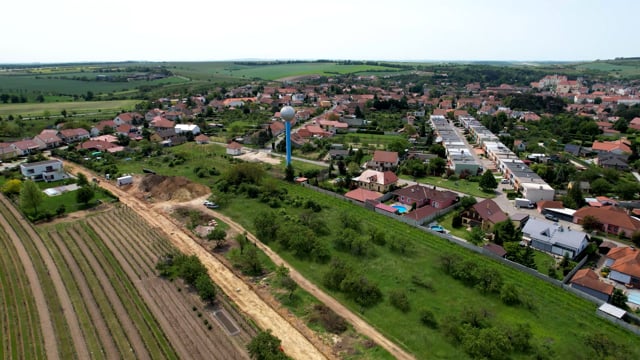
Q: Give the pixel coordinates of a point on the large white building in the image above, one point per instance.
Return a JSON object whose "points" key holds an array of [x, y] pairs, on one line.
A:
{"points": [[49, 170]]}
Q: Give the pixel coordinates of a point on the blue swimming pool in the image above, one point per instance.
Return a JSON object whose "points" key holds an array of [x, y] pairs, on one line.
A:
{"points": [[401, 209], [634, 296]]}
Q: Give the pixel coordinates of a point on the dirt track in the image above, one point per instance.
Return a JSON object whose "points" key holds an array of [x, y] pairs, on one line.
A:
{"points": [[293, 342], [360, 325]]}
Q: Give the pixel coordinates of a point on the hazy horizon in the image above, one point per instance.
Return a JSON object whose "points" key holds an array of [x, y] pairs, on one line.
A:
{"points": [[75, 31]]}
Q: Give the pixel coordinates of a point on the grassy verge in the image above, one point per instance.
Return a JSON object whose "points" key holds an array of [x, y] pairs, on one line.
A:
{"points": [[464, 186]]}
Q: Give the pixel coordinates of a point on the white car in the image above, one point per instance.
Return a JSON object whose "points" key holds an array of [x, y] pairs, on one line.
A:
{"points": [[211, 205]]}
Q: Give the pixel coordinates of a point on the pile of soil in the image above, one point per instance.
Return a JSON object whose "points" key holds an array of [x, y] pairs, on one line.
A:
{"points": [[177, 188]]}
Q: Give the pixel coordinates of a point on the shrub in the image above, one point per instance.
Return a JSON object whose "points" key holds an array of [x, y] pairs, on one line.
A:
{"points": [[510, 295], [428, 319], [328, 319], [399, 300]]}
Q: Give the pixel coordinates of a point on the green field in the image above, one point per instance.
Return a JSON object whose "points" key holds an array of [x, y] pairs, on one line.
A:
{"points": [[616, 69], [560, 319], [50, 84], [54, 109], [229, 70]]}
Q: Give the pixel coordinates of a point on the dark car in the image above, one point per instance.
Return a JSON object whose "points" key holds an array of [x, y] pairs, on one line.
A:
{"points": [[551, 217]]}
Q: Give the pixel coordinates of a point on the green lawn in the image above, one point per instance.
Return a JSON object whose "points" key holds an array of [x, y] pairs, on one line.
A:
{"points": [[562, 320], [445, 222], [464, 186]]}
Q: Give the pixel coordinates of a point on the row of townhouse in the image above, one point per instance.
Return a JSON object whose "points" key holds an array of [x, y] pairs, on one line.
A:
{"points": [[459, 157], [46, 140], [532, 186]]}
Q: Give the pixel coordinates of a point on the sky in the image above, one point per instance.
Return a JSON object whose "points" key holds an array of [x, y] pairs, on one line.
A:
{"points": [[46, 31]]}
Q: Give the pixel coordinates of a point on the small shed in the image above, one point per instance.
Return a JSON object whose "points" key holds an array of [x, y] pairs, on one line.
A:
{"points": [[234, 148], [610, 310]]}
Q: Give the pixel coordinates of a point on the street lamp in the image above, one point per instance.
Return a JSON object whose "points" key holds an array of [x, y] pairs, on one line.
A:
{"points": [[287, 113]]}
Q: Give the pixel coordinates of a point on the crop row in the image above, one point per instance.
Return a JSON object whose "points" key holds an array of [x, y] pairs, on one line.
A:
{"points": [[62, 333], [20, 330], [148, 331]]}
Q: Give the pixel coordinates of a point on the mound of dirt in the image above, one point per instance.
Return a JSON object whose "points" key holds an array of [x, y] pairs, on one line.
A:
{"points": [[177, 188]]}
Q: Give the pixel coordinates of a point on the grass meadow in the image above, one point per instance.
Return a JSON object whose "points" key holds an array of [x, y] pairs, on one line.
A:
{"points": [[54, 109], [560, 319]]}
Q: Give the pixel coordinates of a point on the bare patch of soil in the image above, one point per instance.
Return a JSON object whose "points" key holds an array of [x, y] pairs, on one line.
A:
{"points": [[176, 188]]}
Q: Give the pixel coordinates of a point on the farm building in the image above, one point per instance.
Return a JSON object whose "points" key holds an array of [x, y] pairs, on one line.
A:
{"points": [[234, 148]]}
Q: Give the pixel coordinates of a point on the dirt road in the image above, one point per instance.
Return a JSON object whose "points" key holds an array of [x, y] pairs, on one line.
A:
{"points": [[360, 325], [293, 342]]}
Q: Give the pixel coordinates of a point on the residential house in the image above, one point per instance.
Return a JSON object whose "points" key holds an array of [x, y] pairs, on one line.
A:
{"points": [[575, 150], [49, 170], [102, 127], [635, 123], [587, 281], [616, 147], [376, 180], [74, 135], [130, 118], [613, 161], [338, 154], [485, 214], [187, 128], [612, 219], [519, 145], [383, 160], [554, 238], [161, 123], [363, 195], [47, 139], [7, 151], [202, 139], [25, 147], [234, 148], [99, 145], [624, 263], [168, 137], [423, 195]]}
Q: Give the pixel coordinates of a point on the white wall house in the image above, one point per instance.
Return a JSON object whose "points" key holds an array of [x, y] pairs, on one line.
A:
{"points": [[185, 128], [49, 170]]}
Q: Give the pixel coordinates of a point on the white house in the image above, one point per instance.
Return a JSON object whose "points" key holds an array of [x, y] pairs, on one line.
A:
{"points": [[49, 170], [234, 148], [554, 238], [185, 128]]}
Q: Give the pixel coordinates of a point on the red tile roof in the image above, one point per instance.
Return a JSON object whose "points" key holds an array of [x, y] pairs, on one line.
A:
{"points": [[385, 156], [489, 210], [234, 145], [421, 213], [609, 215], [610, 146], [363, 195], [627, 261], [589, 279]]}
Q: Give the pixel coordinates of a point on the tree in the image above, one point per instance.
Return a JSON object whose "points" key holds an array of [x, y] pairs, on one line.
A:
{"points": [[439, 150], [267, 224], [289, 284], [591, 223], [12, 187], [504, 232], [31, 196], [242, 241], [467, 202], [398, 299], [575, 196], [205, 288], [488, 182], [619, 299], [265, 346], [528, 258], [477, 235], [218, 235], [84, 195], [600, 187], [436, 166], [82, 179]]}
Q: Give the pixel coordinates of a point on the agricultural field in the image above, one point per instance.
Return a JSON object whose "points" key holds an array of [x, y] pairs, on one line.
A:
{"points": [[560, 322], [618, 69], [229, 70], [77, 107], [117, 305]]}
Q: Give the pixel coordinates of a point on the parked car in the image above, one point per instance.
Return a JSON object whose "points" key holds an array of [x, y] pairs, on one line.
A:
{"points": [[551, 217], [211, 205]]}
